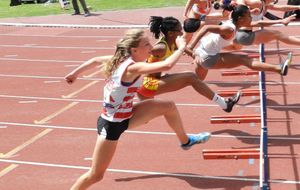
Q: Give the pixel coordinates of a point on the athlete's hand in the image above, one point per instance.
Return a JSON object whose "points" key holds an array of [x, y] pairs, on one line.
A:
{"points": [[181, 42], [70, 78], [287, 20]]}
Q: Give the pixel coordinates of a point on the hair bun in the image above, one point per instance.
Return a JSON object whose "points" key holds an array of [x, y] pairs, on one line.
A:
{"points": [[191, 25]]}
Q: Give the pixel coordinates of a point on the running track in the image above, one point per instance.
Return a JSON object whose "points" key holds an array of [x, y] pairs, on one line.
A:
{"points": [[48, 127]]}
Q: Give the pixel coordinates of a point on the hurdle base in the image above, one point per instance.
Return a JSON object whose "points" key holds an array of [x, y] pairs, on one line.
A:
{"points": [[239, 72], [231, 154], [235, 119]]}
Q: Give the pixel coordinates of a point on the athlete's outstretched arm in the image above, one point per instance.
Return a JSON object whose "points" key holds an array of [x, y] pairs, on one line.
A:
{"points": [[94, 62], [265, 23], [140, 68], [283, 8]]}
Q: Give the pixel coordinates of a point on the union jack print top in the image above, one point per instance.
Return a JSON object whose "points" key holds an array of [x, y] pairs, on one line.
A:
{"points": [[118, 96]]}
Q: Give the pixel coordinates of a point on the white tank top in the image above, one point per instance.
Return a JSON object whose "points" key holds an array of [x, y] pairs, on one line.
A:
{"points": [[213, 43], [196, 9], [118, 97]]}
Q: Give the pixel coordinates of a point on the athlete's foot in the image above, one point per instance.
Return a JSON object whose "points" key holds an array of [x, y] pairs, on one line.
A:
{"points": [[232, 101], [285, 66], [196, 139]]}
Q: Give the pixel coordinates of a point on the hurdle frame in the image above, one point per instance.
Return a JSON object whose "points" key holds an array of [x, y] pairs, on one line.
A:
{"points": [[264, 167]]}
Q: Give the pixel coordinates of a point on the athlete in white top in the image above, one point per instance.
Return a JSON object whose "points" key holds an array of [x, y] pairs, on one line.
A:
{"points": [[208, 54], [123, 70]]}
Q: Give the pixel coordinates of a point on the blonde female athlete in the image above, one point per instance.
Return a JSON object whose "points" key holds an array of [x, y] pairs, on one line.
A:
{"points": [[156, 83], [123, 71], [208, 54]]}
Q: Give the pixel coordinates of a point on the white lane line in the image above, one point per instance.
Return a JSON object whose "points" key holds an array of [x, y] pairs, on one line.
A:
{"points": [[33, 46], [3, 126], [71, 65], [101, 40], [47, 77], [41, 60], [112, 48], [146, 172], [52, 81], [178, 104], [142, 132], [59, 36], [28, 102], [130, 171], [11, 55], [88, 52], [208, 82], [66, 61]]}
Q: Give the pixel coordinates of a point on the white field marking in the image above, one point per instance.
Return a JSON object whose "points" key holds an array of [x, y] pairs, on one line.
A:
{"points": [[27, 143], [178, 104], [92, 74], [52, 81], [8, 169], [64, 61], [60, 36], [11, 55], [208, 82], [100, 101], [88, 52], [41, 60], [49, 117], [112, 48], [71, 65], [146, 172], [28, 102], [138, 132], [56, 47], [29, 45], [101, 40], [89, 26], [3, 127], [47, 77], [73, 94]]}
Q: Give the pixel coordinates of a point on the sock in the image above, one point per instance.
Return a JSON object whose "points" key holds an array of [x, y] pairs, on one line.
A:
{"points": [[220, 101]]}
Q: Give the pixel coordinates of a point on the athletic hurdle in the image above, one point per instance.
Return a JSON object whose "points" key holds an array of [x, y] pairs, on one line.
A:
{"points": [[244, 92], [260, 153], [222, 119], [248, 153], [239, 72]]}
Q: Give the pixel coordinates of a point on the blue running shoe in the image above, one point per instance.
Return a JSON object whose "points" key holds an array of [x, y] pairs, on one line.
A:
{"points": [[196, 139]]}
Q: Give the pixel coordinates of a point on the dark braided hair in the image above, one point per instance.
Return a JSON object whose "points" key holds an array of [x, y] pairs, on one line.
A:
{"points": [[159, 25]]}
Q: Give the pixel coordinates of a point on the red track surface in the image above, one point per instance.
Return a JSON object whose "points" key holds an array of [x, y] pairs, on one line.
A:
{"points": [[46, 151]]}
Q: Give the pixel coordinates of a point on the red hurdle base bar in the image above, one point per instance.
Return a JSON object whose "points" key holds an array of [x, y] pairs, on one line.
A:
{"points": [[245, 92], [231, 154], [253, 55], [235, 119], [239, 72]]}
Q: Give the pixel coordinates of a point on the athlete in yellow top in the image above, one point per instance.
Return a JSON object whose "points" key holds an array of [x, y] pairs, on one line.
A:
{"points": [[155, 84]]}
